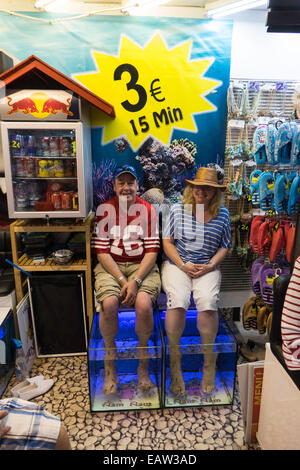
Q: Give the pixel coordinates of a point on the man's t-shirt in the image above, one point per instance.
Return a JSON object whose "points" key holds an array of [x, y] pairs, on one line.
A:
{"points": [[126, 235]]}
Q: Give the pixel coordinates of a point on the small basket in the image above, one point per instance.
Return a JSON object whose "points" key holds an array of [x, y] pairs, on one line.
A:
{"points": [[62, 256]]}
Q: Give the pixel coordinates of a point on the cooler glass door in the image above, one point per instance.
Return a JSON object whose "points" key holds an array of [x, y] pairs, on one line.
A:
{"points": [[43, 169]]}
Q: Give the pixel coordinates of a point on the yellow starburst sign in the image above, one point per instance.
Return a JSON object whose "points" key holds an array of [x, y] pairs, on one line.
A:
{"points": [[153, 90]]}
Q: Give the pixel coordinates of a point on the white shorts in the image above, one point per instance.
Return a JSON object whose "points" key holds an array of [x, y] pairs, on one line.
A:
{"points": [[178, 287]]}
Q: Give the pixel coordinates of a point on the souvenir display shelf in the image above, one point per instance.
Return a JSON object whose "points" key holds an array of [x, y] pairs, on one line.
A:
{"points": [[77, 264]]}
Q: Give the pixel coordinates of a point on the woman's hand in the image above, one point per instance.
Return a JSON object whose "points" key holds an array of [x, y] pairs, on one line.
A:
{"points": [[189, 268], [201, 269]]}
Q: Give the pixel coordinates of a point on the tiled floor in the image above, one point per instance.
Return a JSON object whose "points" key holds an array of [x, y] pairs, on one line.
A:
{"points": [[204, 428]]}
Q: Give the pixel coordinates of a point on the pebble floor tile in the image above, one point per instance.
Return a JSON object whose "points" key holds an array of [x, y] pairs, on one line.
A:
{"points": [[203, 428]]}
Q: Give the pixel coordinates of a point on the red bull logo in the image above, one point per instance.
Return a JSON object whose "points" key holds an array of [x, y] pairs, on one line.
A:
{"points": [[39, 105], [25, 105], [53, 106]]}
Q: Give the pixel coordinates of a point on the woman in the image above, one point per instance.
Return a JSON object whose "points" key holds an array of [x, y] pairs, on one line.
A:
{"points": [[196, 240]]}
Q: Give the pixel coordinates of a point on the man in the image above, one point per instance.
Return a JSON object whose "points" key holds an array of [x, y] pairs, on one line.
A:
{"points": [[126, 242]]}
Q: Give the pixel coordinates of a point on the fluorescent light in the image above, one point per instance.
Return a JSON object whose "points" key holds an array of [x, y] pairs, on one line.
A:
{"points": [[235, 7], [41, 3], [56, 5], [139, 5]]}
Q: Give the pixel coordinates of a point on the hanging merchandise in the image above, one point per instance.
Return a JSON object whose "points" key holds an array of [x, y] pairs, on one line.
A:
{"points": [[253, 240], [283, 143], [270, 143], [249, 313], [296, 101], [278, 242], [266, 185], [281, 193], [259, 144], [290, 243], [294, 196], [235, 100], [295, 151], [255, 274], [254, 177], [262, 318]]}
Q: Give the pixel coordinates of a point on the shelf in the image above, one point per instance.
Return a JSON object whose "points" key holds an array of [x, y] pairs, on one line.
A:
{"points": [[41, 178], [78, 264], [68, 157]]}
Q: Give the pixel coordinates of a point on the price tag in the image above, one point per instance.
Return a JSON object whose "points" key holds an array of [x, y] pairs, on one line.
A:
{"points": [[238, 124]]}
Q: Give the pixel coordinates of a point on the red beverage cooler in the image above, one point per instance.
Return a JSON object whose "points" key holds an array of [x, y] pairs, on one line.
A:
{"points": [[46, 144], [47, 169]]}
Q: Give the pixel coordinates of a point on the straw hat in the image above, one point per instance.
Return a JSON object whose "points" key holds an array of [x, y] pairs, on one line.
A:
{"points": [[206, 177]]}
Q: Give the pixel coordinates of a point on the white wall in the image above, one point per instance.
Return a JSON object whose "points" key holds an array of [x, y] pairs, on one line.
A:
{"points": [[257, 54]]}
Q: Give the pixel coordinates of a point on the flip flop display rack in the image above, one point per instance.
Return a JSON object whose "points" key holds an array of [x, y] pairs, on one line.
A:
{"points": [[262, 173]]}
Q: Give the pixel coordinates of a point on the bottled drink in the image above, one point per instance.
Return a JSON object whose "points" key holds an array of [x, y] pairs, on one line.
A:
{"points": [[21, 363]]}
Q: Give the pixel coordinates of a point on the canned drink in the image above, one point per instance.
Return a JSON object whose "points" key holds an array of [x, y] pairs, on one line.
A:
{"points": [[59, 169], [30, 167], [73, 148], [65, 146], [20, 169], [54, 146], [43, 169], [66, 200], [56, 200], [51, 169], [23, 146], [75, 201], [46, 146], [68, 164], [39, 147], [15, 145], [30, 145]]}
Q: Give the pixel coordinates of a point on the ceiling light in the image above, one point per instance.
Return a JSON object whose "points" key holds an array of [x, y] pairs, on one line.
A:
{"points": [[235, 7], [140, 5]]}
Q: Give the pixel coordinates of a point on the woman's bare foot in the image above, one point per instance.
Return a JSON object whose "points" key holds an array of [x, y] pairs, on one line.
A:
{"points": [[208, 381]]}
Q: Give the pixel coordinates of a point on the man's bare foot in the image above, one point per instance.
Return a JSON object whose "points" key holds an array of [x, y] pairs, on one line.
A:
{"points": [[144, 381], [177, 383], [110, 380]]}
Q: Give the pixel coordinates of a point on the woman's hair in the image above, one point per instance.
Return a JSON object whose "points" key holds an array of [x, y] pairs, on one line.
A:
{"points": [[214, 205]]}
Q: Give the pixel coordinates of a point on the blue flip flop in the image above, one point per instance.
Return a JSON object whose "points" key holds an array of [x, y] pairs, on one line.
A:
{"points": [[294, 196], [283, 143], [270, 143], [295, 152], [266, 184], [259, 144], [281, 193], [254, 177]]}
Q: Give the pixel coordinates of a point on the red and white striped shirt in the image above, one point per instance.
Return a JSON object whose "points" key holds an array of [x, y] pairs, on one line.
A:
{"points": [[290, 321], [126, 236]]}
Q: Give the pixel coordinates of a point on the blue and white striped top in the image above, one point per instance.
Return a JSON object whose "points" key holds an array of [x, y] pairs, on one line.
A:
{"points": [[197, 241]]}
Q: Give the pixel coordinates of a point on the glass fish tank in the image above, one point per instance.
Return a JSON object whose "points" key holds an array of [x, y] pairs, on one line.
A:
{"points": [[185, 381], [126, 377]]}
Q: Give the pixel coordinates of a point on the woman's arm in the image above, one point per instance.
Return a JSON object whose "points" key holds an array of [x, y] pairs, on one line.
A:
{"points": [[214, 262]]}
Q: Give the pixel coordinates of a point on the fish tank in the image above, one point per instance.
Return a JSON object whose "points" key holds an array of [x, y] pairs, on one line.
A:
{"points": [[127, 377], [184, 386]]}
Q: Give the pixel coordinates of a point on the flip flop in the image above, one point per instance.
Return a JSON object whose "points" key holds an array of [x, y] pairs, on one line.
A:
{"points": [[281, 194], [259, 144], [270, 143], [266, 185], [283, 143], [253, 239], [255, 274], [294, 196], [290, 243], [295, 151], [254, 177], [278, 243]]}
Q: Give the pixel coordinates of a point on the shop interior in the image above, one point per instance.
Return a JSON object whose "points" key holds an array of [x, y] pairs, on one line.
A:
{"points": [[47, 265]]}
